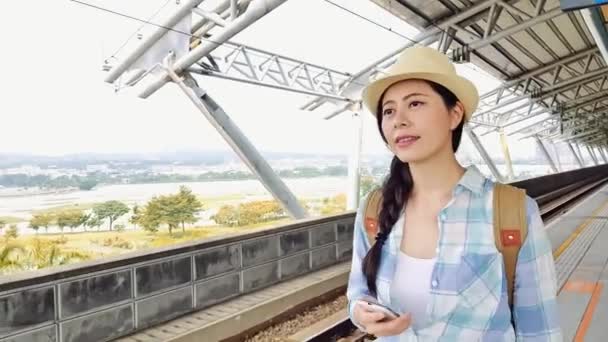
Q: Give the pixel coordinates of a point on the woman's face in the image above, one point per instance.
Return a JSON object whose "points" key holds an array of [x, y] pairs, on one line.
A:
{"points": [[416, 122]]}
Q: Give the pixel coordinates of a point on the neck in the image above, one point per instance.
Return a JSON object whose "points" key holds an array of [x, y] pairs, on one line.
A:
{"points": [[436, 176]]}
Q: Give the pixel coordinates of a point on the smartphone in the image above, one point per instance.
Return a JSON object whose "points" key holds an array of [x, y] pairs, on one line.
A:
{"points": [[375, 306]]}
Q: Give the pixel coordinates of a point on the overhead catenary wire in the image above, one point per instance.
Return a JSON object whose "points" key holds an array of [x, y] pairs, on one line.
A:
{"points": [[149, 22], [138, 29]]}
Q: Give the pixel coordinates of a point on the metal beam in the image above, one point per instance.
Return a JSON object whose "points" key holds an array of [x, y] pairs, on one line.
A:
{"points": [[566, 85], [541, 122], [516, 28], [256, 10], [505, 150], [601, 151], [353, 86], [545, 152], [239, 143], [354, 165], [578, 159], [596, 26], [483, 153], [579, 135], [150, 40], [592, 155]]}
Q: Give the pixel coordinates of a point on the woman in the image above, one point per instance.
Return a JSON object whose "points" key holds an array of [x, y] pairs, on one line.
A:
{"points": [[435, 260]]}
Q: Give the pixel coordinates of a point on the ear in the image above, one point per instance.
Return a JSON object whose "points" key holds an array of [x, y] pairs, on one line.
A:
{"points": [[456, 115]]}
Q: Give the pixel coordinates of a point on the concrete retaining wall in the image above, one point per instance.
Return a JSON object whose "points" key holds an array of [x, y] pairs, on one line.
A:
{"points": [[102, 300]]}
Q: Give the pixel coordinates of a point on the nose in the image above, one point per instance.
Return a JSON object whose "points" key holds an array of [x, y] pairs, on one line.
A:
{"points": [[401, 117]]}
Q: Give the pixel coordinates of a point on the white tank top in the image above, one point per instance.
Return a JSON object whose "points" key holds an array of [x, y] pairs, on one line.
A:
{"points": [[411, 285]]}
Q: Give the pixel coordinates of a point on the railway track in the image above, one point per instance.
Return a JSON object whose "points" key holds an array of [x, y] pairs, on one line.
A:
{"points": [[339, 328]]}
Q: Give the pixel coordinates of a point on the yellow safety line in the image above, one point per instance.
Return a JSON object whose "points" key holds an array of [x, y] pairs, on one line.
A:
{"points": [[577, 232]]}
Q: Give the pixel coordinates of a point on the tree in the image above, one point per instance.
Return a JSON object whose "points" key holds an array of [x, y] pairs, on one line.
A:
{"points": [[248, 213], [2, 224], [150, 216], [226, 216], [170, 214], [34, 226], [12, 232], [134, 219], [63, 220], [71, 218], [94, 221], [187, 206], [83, 220], [172, 210], [41, 220], [111, 210], [367, 184]]}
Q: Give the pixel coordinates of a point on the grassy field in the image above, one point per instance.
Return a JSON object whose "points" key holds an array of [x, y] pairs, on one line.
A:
{"points": [[37, 251], [105, 243]]}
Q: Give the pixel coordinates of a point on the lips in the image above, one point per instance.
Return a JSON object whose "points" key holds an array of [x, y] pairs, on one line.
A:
{"points": [[406, 139]]}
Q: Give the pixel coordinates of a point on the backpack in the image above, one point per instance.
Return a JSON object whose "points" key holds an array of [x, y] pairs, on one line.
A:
{"points": [[510, 225]]}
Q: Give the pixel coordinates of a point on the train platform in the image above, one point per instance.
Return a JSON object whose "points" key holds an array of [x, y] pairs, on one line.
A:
{"points": [[580, 237]]}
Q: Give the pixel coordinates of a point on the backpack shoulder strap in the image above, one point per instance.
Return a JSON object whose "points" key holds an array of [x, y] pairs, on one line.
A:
{"points": [[510, 228], [372, 215]]}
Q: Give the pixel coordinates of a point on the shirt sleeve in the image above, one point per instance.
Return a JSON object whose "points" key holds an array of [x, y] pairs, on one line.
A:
{"points": [[535, 309], [357, 285]]}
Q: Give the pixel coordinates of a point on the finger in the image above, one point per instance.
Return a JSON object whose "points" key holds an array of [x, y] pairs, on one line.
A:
{"points": [[365, 307], [392, 327], [399, 324], [371, 317]]}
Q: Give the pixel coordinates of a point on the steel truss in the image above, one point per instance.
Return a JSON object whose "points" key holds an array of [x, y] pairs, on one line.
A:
{"points": [[570, 92]]}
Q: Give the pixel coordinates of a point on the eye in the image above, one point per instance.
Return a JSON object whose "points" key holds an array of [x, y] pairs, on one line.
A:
{"points": [[388, 111], [416, 104]]}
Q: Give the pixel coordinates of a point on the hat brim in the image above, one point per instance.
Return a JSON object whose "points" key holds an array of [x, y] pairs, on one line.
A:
{"points": [[465, 90]]}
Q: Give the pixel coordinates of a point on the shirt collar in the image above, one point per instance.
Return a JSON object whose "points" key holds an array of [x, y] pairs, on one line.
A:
{"points": [[472, 180]]}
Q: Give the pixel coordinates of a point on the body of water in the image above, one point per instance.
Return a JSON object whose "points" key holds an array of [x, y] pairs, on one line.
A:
{"points": [[22, 206]]}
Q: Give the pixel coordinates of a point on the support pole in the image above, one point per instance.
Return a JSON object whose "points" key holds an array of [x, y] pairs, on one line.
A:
{"points": [[578, 159], [592, 155], [580, 153], [239, 143], [354, 162], [560, 168], [484, 155], [546, 153], [600, 152], [505, 151]]}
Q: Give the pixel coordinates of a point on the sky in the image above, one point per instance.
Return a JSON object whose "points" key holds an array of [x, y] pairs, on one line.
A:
{"points": [[55, 102]]}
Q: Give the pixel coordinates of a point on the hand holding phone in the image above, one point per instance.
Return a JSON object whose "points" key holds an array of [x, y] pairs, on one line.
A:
{"points": [[373, 306], [379, 320]]}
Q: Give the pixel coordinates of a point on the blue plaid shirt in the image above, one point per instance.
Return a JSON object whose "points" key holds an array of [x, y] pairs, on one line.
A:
{"points": [[468, 288]]}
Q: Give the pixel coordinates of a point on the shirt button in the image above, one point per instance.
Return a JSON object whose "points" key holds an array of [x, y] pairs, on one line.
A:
{"points": [[434, 283]]}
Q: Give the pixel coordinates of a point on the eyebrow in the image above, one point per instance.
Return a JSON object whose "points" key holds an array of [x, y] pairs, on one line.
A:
{"points": [[404, 98]]}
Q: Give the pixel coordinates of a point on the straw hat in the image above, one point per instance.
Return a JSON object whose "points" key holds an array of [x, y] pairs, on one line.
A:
{"points": [[424, 63]]}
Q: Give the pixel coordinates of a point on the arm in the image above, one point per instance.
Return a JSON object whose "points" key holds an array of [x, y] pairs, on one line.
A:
{"points": [[534, 305], [357, 285]]}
